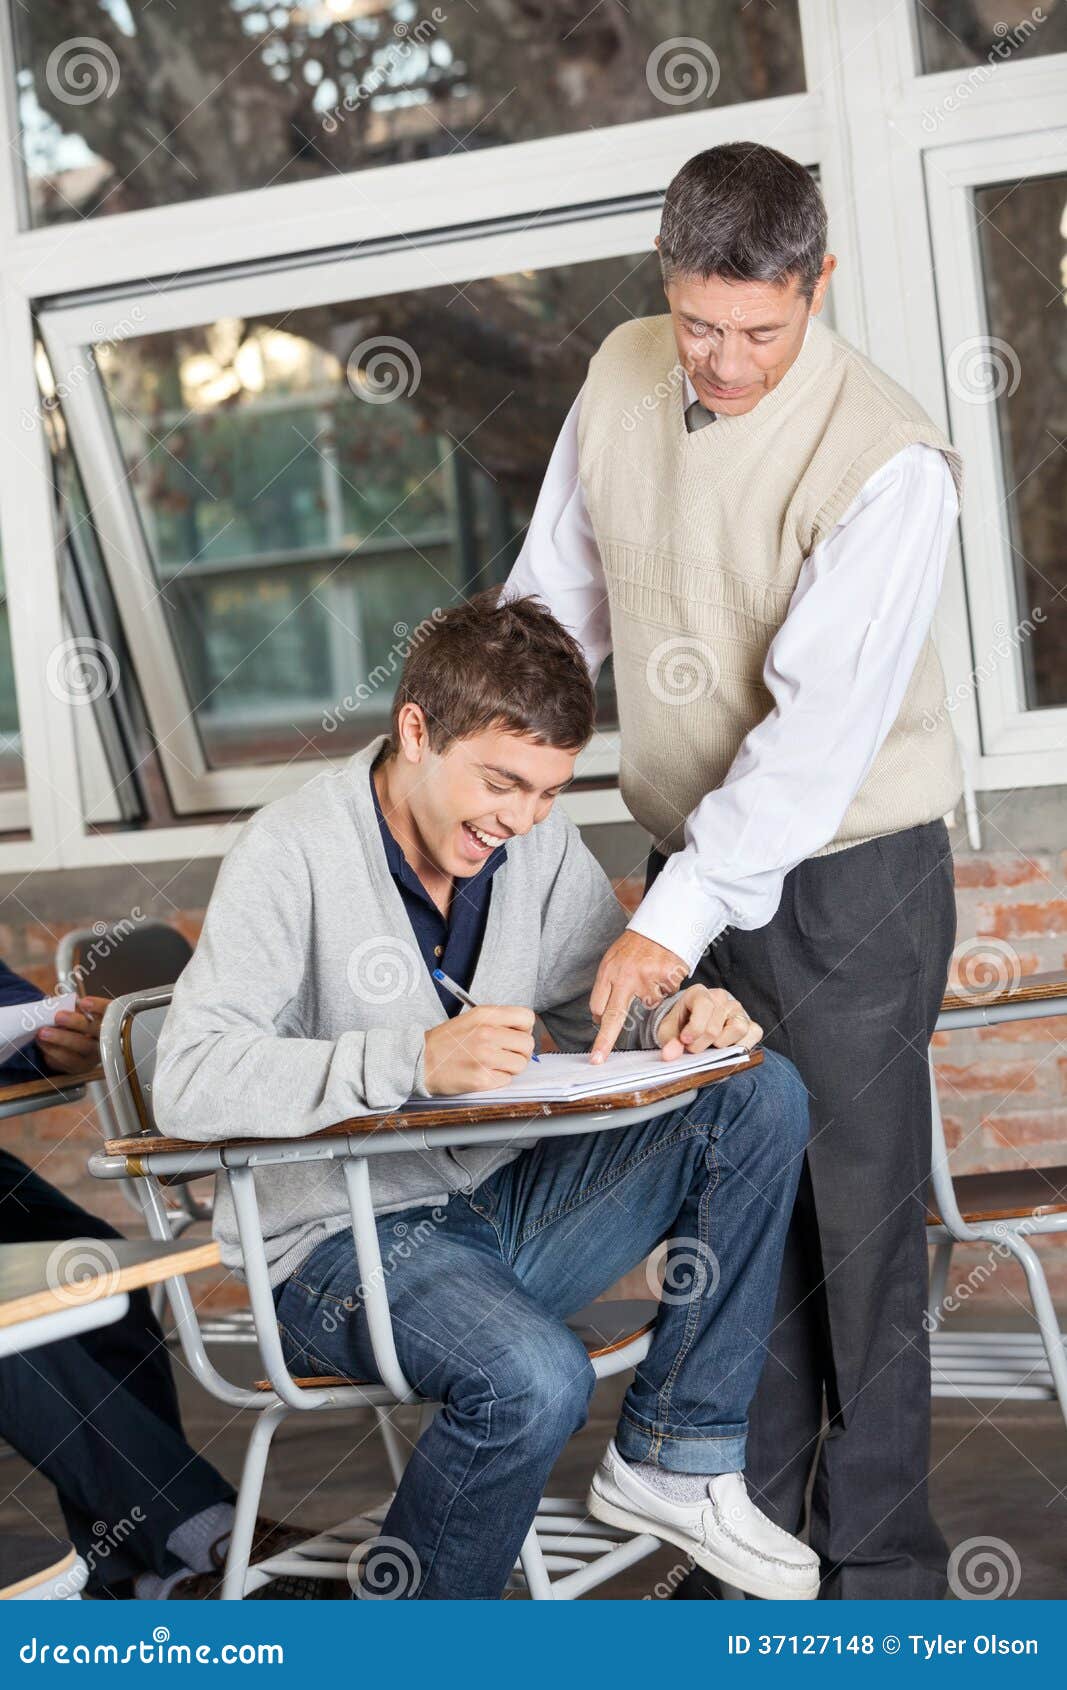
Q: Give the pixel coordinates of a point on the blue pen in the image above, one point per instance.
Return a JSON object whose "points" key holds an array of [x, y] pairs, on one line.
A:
{"points": [[464, 997]]}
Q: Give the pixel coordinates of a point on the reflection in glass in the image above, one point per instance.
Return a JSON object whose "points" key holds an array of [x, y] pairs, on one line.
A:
{"points": [[1022, 228], [133, 103], [12, 774], [984, 34], [313, 486]]}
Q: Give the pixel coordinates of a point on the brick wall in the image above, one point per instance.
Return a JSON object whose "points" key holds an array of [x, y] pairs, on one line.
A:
{"points": [[1003, 1090]]}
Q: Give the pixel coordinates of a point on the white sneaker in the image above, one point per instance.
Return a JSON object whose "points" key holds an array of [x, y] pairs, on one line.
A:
{"points": [[726, 1535]]}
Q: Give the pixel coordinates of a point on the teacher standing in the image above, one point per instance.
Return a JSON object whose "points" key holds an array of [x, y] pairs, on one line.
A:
{"points": [[754, 519]]}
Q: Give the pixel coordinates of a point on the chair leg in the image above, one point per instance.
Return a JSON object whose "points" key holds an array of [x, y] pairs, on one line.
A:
{"points": [[157, 1302], [394, 1453], [532, 1563], [246, 1507], [939, 1278], [1044, 1312]]}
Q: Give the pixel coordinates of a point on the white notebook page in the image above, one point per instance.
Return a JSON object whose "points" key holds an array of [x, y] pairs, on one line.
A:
{"points": [[560, 1076]]}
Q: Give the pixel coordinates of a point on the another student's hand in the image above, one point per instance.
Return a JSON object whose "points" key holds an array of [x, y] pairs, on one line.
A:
{"points": [[633, 967], [73, 1044], [705, 1016], [479, 1049]]}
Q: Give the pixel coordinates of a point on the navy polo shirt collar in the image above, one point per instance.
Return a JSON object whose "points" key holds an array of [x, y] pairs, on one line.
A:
{"points": [[451, 943]]}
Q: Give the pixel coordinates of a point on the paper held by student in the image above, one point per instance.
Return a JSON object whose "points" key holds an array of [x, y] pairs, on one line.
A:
{"points": [[21, 1022], [561, 1076]]}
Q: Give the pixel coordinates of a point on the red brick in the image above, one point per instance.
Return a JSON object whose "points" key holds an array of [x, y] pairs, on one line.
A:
{"points": [[1005, 921], [1045, 1129], [953, 1130], [996, 1077], [188, 923], [629, 893], [1001, 870]]}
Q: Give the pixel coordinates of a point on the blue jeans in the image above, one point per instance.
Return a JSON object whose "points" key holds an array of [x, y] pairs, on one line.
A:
{"points": [[479, 1290]]}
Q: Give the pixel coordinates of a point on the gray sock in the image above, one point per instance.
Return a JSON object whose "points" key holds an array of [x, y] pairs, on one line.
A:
{"points": [[674, 1487], [193, 1540], [150, 1587]]}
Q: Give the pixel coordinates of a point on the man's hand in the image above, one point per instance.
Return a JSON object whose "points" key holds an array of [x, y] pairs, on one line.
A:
{"points": [[705, 1016], [479, 1049], [73, 1044], [634, 967]]}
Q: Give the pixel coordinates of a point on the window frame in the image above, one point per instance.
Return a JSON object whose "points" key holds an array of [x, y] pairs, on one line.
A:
{"points": [[68, 332], [1018, 741]]}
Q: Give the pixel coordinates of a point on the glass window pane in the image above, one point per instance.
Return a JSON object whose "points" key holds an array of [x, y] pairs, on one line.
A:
{"points": [[312, 487], [12, 774], [966, 34], [128, 104], [1023, 366]]}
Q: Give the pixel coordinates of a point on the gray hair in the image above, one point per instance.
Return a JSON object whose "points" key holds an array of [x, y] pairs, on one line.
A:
{"points": [[746, 213]]}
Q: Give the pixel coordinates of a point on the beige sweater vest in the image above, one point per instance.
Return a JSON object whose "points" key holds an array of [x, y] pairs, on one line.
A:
{"points": [[702, 538]]}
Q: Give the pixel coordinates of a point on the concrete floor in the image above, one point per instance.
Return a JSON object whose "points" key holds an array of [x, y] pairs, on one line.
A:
{"points": [[999, 1475]]}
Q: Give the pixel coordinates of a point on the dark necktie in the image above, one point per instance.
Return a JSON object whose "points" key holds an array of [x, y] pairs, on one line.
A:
{"points": [[697, 416]]}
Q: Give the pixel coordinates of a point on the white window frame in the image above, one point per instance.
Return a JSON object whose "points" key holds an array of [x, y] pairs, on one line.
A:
{"points": [[69, 333], [1012, 731], [860, 122]]}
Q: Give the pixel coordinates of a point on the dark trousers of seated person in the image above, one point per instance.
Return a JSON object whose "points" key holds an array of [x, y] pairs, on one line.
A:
{"points": [[479, 1291], [847, 981], [98, 1415]]}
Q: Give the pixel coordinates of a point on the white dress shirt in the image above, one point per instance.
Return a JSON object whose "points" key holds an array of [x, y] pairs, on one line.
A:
{"points": [[837, 669]]}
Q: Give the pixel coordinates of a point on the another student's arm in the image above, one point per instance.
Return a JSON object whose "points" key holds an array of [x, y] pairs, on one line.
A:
{"points": [[223, 1070], [72, 1046]]}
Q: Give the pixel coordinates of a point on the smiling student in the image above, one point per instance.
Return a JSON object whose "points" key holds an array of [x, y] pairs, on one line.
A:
{"points": [[311, 998]]}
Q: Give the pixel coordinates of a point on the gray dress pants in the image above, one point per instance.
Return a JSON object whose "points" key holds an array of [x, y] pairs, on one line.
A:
{"points": [[847, 981]]}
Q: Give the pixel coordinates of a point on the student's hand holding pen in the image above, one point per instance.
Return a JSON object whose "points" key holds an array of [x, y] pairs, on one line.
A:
{"points": [[484, 1047]]}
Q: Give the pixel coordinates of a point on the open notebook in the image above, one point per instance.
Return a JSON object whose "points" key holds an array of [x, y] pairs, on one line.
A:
{"points": [[560, 1076]]}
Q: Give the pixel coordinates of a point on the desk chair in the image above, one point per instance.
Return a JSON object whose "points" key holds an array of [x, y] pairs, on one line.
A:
{"points": [[1004, 1210], [110, 962], [565, 1553]]}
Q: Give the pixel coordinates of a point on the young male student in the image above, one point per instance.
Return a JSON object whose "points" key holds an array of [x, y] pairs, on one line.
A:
{"points": [[310, 998], [98, 1415]]}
